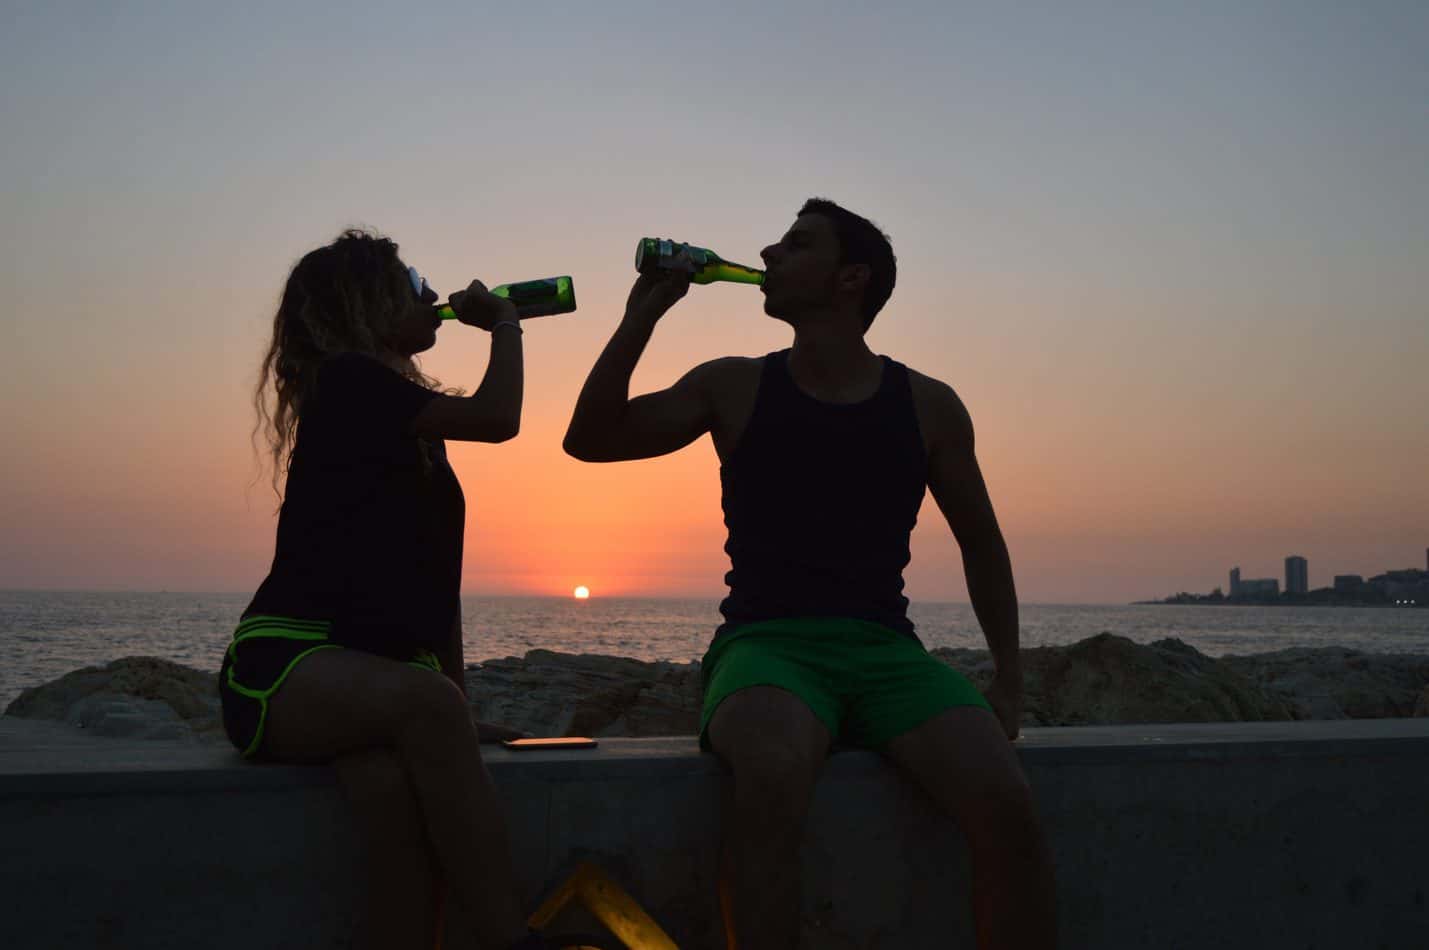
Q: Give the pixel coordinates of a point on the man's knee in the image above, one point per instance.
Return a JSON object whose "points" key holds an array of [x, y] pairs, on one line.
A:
{"points": [[1002, 812], [775, 759], [774, 763]]}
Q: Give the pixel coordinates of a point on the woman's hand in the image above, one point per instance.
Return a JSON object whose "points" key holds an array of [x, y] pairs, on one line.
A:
{"points": [[478, 307], [489, 732]]}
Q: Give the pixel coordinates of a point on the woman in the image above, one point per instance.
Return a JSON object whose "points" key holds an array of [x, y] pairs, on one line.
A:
{"points": [[350, 651]]}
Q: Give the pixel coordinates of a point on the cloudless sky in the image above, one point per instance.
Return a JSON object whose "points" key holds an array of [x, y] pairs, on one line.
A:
{"points": [[1174, 258]]}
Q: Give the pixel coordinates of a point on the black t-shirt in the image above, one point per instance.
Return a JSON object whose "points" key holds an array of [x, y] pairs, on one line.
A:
{"points": [[370, 532], [820, 499]]}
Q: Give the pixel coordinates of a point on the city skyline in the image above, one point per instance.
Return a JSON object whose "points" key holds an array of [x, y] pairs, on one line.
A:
{"points": [[1400, 586], [1301, 564], [1172, 260]]}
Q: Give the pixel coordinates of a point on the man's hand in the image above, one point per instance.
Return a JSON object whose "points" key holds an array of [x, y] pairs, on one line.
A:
{"points": [[654, 294], [1005, 698], [478, 307]]}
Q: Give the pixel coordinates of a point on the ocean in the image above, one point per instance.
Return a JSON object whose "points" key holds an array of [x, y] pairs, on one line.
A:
{"points": [[45, 634]]}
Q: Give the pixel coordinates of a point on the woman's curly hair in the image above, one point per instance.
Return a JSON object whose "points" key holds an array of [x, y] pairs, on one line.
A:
{"points": [[347, 297]]}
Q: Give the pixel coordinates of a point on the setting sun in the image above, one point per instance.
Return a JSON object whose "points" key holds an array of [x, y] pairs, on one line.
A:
{"points": [[581, 593]]}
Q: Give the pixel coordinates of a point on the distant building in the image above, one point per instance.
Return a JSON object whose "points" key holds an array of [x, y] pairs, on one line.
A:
{"points": [[1411, 585], [1297, 575], [1260, 588], [1348, 583]]}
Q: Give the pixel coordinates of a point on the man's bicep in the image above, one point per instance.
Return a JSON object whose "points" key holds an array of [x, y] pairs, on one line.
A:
{"points": [[961, 494], [954, 476], [662, 422]]}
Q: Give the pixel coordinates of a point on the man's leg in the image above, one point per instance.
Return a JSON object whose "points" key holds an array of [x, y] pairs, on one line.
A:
{"points": [[775, 746], [962, 758]]}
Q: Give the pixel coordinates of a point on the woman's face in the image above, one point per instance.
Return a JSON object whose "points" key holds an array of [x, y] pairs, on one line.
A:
{"points": [[416, 326]]}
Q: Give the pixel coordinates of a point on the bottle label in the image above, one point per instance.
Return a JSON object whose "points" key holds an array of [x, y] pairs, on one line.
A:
{"points": [[532, 290], [668, 253]]}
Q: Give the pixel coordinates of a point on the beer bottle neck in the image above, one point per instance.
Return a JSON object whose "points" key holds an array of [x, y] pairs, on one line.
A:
{"points": [[728, 271]]}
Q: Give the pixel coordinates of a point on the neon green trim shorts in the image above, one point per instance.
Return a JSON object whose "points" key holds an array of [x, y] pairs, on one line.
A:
{"points": [[866, 683], [264, 650]]}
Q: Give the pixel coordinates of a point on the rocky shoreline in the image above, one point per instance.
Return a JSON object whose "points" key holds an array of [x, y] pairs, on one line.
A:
{"points": [[1101, 680]]}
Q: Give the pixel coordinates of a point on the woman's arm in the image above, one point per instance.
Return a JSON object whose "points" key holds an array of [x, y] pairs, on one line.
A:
{"points": [[453, 656], [453, 659], [493, 412]]}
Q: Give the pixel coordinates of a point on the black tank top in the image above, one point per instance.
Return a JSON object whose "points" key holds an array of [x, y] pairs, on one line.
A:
{"points": [[819, 499]]}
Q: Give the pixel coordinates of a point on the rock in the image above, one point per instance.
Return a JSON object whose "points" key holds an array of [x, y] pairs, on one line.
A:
{"points": [[1338, 683], [1109, 679], [1103, 679], [548, 693], [135, 697]]}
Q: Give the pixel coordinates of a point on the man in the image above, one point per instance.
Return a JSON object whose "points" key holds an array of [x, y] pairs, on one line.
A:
{"points": [[825, 452]]}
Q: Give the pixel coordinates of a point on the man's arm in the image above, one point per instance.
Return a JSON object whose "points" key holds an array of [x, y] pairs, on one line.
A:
{"points": [[607, 425], [957, 485]]}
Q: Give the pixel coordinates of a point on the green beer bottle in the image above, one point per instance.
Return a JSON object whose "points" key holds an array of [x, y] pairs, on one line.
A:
{"points": [[703, 265], [533, 298]]}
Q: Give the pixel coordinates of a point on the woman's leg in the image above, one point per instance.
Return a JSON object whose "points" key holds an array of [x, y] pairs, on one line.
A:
{"points": [[398, 911], [340, 701]]}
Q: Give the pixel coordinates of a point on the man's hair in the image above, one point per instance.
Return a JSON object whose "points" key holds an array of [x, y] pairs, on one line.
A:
{"points": [[861, 242]]}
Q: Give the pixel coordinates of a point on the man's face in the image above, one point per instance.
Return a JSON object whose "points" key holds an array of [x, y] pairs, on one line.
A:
{"points": [[800, 270]]}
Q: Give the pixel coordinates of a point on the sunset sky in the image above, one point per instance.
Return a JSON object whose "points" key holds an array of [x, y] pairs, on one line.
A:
{"points": [[1174, 258]]}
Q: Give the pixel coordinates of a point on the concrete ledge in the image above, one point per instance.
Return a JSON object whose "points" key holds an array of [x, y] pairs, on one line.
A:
{"points": [[1306, 834]]}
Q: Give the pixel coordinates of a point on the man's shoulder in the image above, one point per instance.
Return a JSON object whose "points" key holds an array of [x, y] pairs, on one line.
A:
{"points": [[931, 390], [730, 387], [728, 371], [938, 404], [734, 364]]}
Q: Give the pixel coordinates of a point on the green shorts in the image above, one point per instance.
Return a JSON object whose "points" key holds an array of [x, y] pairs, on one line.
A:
{"points": [[866, 683], [263, 652]]}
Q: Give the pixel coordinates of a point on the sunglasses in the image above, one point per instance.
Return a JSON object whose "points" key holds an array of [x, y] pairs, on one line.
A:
{"points": [[420, 287]]}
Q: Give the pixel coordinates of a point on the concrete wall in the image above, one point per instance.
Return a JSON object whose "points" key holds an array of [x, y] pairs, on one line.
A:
{"points": [[1245, 835]]}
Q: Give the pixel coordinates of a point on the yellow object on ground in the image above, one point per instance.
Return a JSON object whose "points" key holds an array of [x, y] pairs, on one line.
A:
{"points": [[607, 900], [726, 914]]}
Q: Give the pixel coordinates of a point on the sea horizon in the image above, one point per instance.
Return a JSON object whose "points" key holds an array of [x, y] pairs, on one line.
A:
{"points": [[46, 633], [594, 596]]}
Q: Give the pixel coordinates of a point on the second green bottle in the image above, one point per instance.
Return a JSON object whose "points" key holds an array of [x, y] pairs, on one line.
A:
{"points": [[533, 298]]}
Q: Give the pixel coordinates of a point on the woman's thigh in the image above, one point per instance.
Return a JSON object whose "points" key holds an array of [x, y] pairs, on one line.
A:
{"points": [[339, 701]]}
